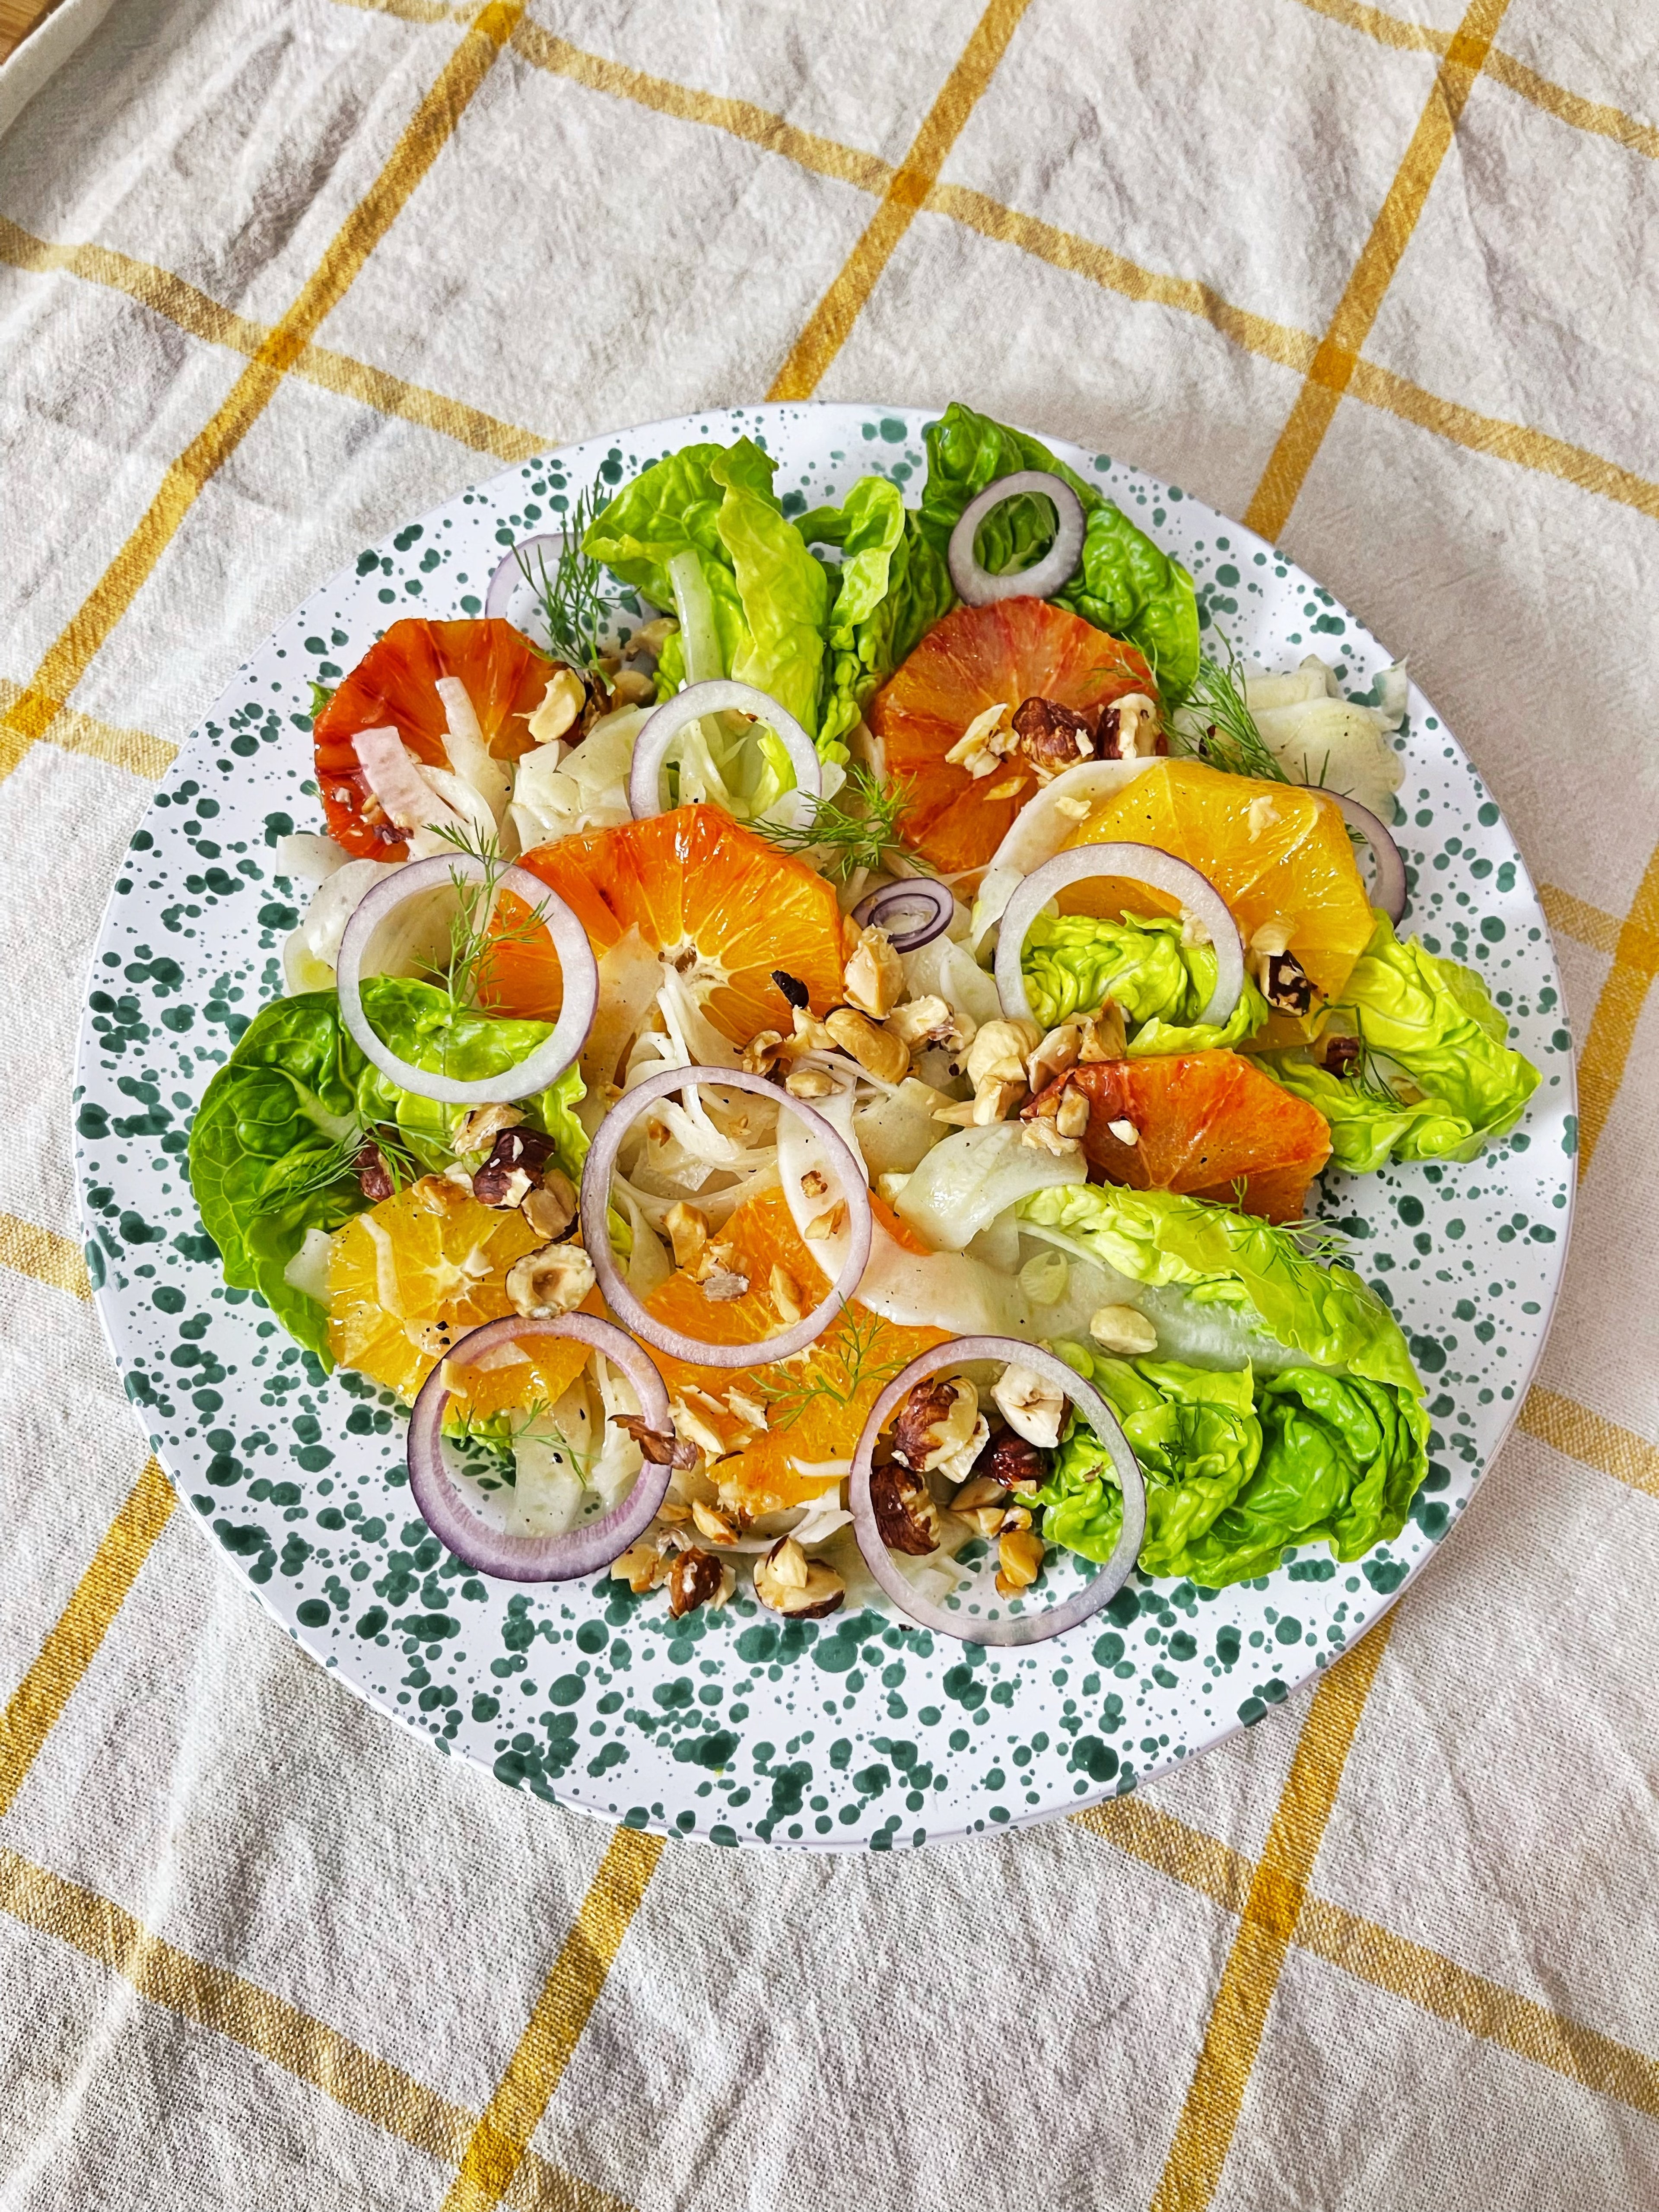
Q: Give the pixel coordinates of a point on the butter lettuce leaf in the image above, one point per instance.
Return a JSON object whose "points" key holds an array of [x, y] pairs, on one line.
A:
{"points": [[1238, 1469], [1215, 1254], [1431, 1024], [891, 586], [1073, 962], [1125, 583], [272, 1142]]}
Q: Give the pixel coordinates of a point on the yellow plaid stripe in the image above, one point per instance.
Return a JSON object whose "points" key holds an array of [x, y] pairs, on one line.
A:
{"points": [[28, 1249], [31, 715], [831, 321], [1619, 1007], [1272, 1903], [1333, 364]]}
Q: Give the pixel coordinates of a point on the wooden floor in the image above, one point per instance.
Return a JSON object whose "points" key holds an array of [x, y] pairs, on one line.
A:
{"points": [[17, 18]]}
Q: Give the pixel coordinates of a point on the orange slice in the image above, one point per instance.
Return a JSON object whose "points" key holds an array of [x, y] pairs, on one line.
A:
{"points": [[980, 657], [431, 1257], [711, 899], [395, 682], [816, 1404], [1276, 852], [1209, 1124]]}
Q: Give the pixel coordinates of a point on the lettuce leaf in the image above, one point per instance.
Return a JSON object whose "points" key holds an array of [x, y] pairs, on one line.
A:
{"points": [[1125, 584], [770, 597], [1217, 1256], [1433, 1021], [1073, 963], [891, 586], [1238, 1470], [272, 1143]]}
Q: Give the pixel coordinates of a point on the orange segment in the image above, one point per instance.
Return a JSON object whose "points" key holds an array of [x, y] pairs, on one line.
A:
{"points": [[433, 1255], [1210, 1124], [395, 682], [817, 1403], [710, 897], [1275, 852], [980, 657]]}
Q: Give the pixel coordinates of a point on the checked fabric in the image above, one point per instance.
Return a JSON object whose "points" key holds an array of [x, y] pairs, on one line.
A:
{"points": [[276, 274]]}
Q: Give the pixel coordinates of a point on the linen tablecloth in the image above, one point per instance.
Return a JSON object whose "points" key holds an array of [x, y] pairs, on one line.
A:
{"points": [[274, 277]]}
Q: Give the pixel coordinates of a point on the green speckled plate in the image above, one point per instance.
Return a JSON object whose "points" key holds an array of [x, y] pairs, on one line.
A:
{"points": [[849, 1733]]}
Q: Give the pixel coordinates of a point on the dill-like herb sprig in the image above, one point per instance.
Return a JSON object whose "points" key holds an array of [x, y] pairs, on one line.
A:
{"points": [[338, 1159], [575, 606], [855, 829], [1216, 725], [475, 933], [839, 1365]]}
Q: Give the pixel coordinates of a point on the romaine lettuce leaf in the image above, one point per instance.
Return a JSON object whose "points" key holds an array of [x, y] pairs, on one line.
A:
{"points": [[1238, 1469], [1126, 584], [1073, 962], [1218, 1255], [1433, 1021], [270, 1147]]}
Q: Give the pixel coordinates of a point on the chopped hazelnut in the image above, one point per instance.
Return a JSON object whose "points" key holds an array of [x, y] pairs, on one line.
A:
{"points": [[697, 1577], [785, 1293], [641, 1566], [1020, 1557], [553, 1279], [875, 975], [791, 1584], [906, 1515], [1124, 1330], [1128, 728], [373, 1177], [1052, 738], [552, 1207], [688, 1233], [938, 1418], [713, 1525], [877, 1050], [987, 741], [1033, 1406], [1013, 1460], [479, 1129], [808, 1082], [1341, 1055]]}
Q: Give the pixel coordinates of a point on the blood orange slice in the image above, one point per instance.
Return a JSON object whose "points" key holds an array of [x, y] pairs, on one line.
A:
{"points": [[979, 657], [705, 897], [1209, 1124], [395, 682], [813, 1406]]}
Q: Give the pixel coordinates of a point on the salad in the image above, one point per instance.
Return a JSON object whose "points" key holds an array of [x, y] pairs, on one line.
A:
{"points": [[806, 1062]]}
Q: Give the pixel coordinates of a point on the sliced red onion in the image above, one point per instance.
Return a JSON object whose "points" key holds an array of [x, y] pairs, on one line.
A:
{"points": [[977, 586], [582, 1551], [582, 980], [720, 696], [597, 1171], [517, 566], [913, 912], [1389, 892], [1141, 863], [1014, 1629]]}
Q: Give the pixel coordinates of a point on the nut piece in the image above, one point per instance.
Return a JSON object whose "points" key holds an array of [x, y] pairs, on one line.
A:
{"points": [[553, 1279], [550, 1209], [562, 702], [1072, 1114], [808, 1082], [696, 1578], [1341, 1055], [936, 1419], [688, 1232], [641, 1566], [1019, 1556], [875, 975], [1000, 1050], [877, 1050], [1103, 1036], [1055, 1056], [1286, 984], [929, 1020], [517, 1160], [1125, 1131], [1011, 1462], [373, 1177], [715, 1526], [830, 1223], [764, 1051], [785, 1293], [1042, 1136], [985, 743], [906, 1514], [1272, 937], [1128, 728], [789, 1583], [1033, 1406], [479, 1129], [1052, 738], [1124, 1330]]}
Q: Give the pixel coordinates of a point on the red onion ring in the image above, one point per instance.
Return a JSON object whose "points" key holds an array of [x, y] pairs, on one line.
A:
{"points": [[977, 587], [1027, 1628], [559, 1559], [913, 891], [597, 1171], [1142, 864], [581, 982], [1389, 892], [719, 695], [513, 567]]}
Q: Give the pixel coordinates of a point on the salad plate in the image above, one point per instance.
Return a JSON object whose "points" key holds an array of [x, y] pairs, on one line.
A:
{"points": [[1431, 1264]]}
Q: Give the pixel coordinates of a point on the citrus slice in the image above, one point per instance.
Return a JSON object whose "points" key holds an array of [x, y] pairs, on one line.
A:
{"points": [[1278, 852], [395, 683], [976, 657], [1208, 1124], [816, 1404], [707, 898], [412, 1276]]}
